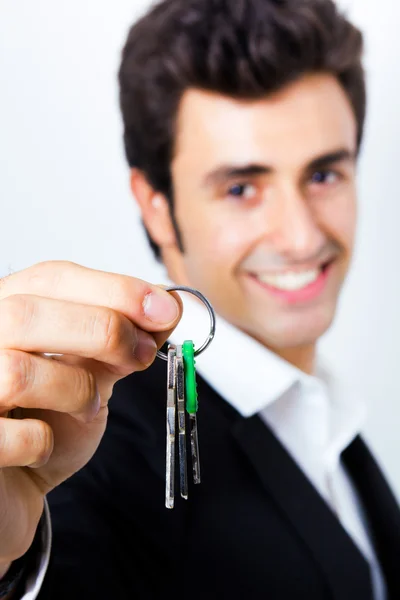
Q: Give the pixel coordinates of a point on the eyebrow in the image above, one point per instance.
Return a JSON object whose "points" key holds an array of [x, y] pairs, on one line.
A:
{"points": [[227, 172], [331, 158]]}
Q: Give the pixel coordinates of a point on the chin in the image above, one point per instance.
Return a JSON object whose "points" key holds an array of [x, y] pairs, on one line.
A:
{"points": [[296, 332]]}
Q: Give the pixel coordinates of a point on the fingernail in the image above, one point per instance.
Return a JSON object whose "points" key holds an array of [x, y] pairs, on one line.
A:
{"points": [[146, 348], [160, 307]]}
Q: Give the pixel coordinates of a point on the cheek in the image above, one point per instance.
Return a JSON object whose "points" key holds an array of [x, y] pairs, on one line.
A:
{"points": [[338, 219], [216, 238]]}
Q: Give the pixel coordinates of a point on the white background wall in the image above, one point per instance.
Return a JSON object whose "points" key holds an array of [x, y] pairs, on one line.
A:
{"points": [[64, 183]]}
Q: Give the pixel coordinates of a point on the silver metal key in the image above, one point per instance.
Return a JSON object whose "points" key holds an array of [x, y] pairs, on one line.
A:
{"points": [[194, 446], [180, 393], [171, 429]]}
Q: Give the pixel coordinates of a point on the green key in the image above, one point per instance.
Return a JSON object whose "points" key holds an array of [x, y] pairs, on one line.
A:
{"points": [[190, 377], [192, 405]]}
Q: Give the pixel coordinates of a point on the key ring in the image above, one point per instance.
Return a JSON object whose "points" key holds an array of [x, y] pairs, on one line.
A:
{"points": [[199, 295]]}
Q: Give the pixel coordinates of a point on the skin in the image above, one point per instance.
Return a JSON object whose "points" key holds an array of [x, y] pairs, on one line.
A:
{"points": [[296, 205], [106, 326], [295, 210]]}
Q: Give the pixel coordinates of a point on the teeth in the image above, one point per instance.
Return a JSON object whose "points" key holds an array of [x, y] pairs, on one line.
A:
{"points": [[290, 281]]}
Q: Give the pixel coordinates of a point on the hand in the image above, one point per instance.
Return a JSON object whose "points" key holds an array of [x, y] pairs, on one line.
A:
{"points": [[106, 326]]}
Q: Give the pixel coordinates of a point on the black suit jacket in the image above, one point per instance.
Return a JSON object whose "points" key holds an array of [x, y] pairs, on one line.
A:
{"points": [[254, 528]]}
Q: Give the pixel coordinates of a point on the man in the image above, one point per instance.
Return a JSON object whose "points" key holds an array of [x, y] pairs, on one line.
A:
{"points": [[243, 120]]}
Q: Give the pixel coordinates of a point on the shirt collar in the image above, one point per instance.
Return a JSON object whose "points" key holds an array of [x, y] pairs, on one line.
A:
{"points": [[251, 378], [238, 367]]}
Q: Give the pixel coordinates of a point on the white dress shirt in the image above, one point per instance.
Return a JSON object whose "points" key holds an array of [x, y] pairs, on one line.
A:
{"points": [[313, 417]]}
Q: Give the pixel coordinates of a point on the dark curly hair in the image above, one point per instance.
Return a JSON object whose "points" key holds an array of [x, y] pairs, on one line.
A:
{"points": [[241, 48]]}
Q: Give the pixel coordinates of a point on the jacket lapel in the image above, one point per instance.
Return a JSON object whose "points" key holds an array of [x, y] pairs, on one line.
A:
{"points": [[381, 508], [346, 570]]}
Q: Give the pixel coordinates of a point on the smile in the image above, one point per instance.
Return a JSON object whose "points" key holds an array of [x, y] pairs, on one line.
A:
{"points": [[295, 286], [290, 280]]}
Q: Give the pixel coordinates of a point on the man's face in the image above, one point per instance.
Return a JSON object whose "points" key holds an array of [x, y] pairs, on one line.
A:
{"points": [[265, 200]]}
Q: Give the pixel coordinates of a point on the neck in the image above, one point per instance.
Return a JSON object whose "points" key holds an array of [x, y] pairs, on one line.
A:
{"points": [[302, 357]]}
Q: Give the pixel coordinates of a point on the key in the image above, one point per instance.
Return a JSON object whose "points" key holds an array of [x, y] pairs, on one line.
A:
{"points": [[192, 405], [182, 399], [171, 429], [180, 394]]}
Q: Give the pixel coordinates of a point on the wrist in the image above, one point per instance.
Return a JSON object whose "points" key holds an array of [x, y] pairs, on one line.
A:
{"points": [[12, 574]]}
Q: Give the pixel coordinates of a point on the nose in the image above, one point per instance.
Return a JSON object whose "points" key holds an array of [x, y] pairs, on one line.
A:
{"points": [[294, 229]]}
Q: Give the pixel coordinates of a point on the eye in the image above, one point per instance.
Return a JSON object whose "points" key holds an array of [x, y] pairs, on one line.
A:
{"points": [[242, 190], [324, 177]]}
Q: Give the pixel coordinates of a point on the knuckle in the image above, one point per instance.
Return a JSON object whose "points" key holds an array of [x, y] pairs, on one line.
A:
{"points": [[34, 441], [3, 439], [110, 328], [85, 387], [16, 312], [24, 439], [47, 266], [41, 441], [45, 277], [128, 291], [15, 375], [119, 291], [24, 443]]}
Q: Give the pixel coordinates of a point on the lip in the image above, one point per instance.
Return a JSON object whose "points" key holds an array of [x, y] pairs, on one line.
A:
{"points": [[306, 294]]}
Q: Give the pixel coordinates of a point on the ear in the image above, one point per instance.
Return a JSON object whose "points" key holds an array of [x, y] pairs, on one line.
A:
{"points": [[155, 210]]}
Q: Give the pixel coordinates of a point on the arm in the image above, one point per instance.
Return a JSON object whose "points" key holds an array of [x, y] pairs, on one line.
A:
{"points": [[62, 404]]}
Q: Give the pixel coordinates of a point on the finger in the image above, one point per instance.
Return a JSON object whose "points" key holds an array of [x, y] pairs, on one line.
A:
{"points": [[25, 443], [162, 337], [29, 381], [148, 306], [36, 324]]}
